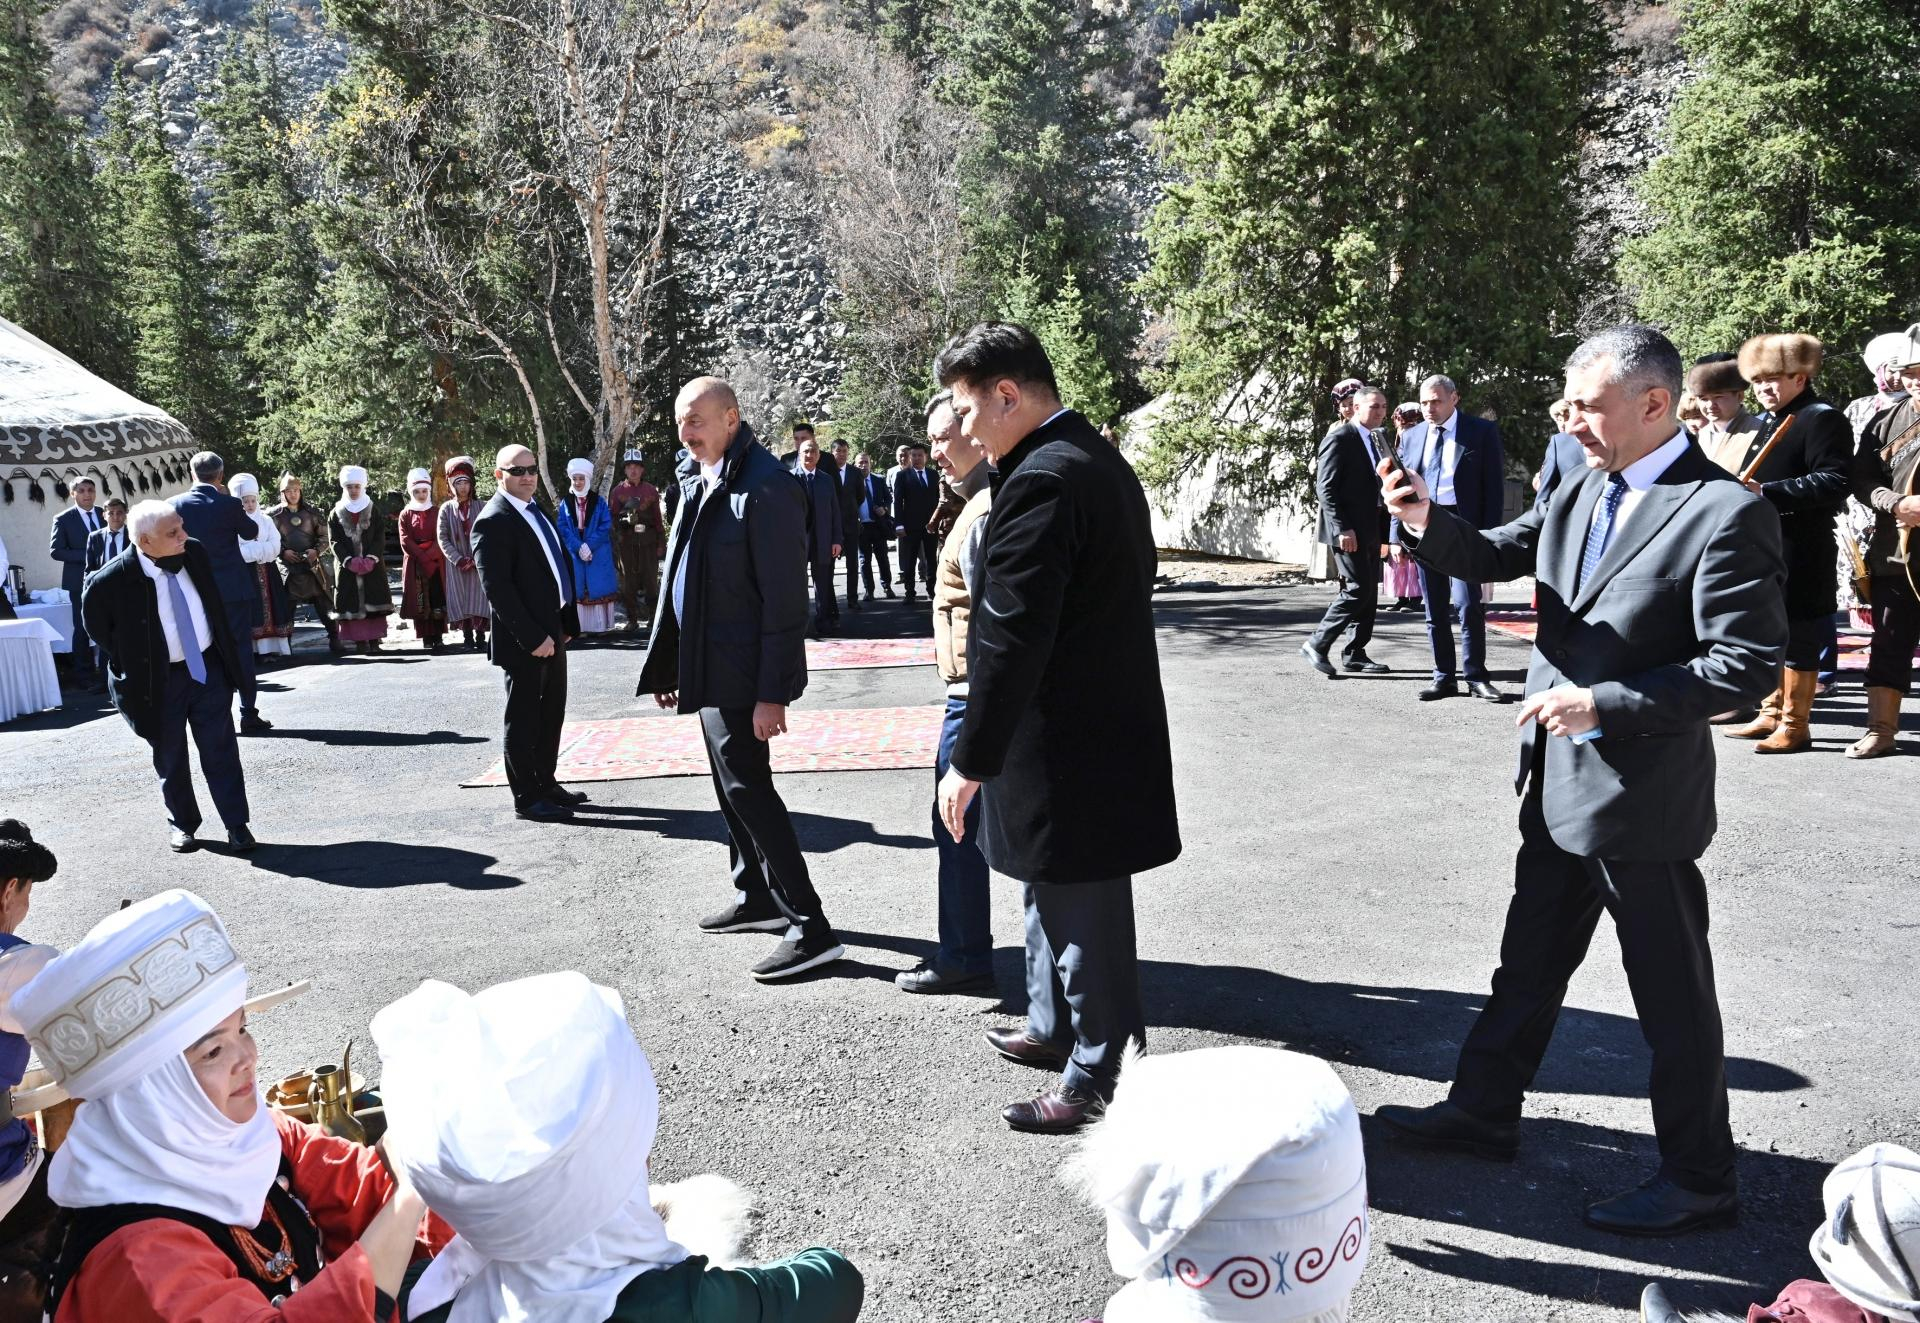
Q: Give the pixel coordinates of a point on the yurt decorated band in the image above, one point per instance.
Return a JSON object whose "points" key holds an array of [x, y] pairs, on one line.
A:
{"points": [[1886, 478]]}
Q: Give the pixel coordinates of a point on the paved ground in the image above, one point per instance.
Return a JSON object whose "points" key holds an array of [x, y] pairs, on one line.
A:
{"points": [[1345, 873]]}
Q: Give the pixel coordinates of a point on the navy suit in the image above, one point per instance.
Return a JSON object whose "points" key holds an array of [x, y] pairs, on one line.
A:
{"points": [[1566, 461], [1480, 493], [876, 533], [220, 523], [916, 495], [68, 545], [824, 533]]}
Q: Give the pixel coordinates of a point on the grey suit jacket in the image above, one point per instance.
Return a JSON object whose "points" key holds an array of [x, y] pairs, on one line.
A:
{"points": [[1682, 618]]}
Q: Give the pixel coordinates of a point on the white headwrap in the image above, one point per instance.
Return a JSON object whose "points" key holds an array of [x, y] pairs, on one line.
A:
{"points": [[524, 1115], [579, 468], [111, 1019], [416, 479], [353, 473], [1869, 1246], [243, 485], [1234, 1187]]}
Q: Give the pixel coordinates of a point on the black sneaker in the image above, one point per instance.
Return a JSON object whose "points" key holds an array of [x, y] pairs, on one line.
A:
{"points": [[799, 953], [753, 912]]}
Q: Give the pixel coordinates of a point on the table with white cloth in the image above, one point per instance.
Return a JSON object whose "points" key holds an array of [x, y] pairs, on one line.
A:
{"points": [[59, 618], [28, 682]]}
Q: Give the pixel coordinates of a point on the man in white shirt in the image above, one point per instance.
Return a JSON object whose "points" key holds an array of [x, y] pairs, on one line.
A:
{"points": [[170, 656]]}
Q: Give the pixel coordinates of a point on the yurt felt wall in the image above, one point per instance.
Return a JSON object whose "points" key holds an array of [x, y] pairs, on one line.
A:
{"points": [[59, 422]]}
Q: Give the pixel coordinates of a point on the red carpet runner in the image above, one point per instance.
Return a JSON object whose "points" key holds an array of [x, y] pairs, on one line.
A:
{"points": [[854, 654]]}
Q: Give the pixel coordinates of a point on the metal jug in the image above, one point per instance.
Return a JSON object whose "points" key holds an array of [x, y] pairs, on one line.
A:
{"points": [[331, 1098]]}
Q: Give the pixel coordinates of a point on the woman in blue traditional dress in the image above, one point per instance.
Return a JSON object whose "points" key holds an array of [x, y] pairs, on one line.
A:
{"points": [[23, 862], [586, 531]]}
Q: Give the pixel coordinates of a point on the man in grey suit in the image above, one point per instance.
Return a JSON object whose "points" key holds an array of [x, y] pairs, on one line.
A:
{"points": [[1660, 605]]}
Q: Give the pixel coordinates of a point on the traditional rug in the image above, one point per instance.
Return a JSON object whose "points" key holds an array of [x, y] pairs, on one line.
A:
{"points": [[855, 654], [1522, 624], [873, 739]]}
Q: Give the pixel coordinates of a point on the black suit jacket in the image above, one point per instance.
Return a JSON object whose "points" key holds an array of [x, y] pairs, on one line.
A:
{"points": [[220, 523], [1682, 618], [1066, 720], [914, 503], [97, 555], [526, 605], [1349, 489], [824, 502], [1806, 479], [121, 606], [743, 546], [67, 543], [847, 482]]}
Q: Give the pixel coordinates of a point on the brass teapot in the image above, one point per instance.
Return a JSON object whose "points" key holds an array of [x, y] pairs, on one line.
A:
{"points": [[330, 1097]]}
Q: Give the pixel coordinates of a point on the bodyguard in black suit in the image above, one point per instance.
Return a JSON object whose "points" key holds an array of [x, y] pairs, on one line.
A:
{"points": [[67, 543], [1353, 521], [530, 601], [849, 481], [915, 494], [874, 518], [1659, 588], [825, 534], [103, 544], [155, 611], [729, 642], [1065, 737], [220, 523]]}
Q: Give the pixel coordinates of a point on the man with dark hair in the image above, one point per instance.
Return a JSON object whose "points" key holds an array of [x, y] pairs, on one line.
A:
{"points": [[1353, 521], [848, 482], [802, 433], [875, 522], [915, 495], [1659, 591], [825, 537], [220, 523], [67, 543], [1065, 733]]}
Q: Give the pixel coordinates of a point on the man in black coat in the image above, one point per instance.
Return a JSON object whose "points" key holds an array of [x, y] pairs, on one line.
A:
{"points": [[220, 523], [874, 519], [1353, 521], [155, 612], [915, 494], [850, 483], [531, 605], [729, 642], [825, 534], [1659, 588], [1065, 737], [67, 543]]}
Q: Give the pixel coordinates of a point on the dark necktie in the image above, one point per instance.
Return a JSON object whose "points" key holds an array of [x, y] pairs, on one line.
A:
{"points": [[190, 645], [553, 549], [1602, 528]]}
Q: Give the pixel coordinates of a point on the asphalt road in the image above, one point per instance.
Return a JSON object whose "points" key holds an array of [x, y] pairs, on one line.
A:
{"points": [[1347, 863]]}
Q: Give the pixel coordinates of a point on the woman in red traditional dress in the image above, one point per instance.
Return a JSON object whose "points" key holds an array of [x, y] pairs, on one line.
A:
{"points": [[423, 567], [192, 1202]]}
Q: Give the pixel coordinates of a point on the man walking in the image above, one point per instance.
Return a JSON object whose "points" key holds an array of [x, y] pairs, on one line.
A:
{"points": [[1461, 460], [169, 650], [1065, 733], [1353, 521], [963, 962], [729, 643], [1659, 588], [220, 523], [875, 517], [848, 482], [530, 603], [67, 543], [638, 537], [824, 534], [915, 496]]}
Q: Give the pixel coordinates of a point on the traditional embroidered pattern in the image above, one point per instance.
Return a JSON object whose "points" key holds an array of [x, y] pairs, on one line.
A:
{"points": [[157, 978], [1249, 1278]]}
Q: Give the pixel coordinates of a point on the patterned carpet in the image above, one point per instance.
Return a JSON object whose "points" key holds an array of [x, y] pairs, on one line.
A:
{"points": [[1521, 625], [831, 740], [854, 654]]}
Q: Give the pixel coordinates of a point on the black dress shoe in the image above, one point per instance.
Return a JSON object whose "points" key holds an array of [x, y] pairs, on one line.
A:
{"points": [[1661, 1208], [1364, 665], [1487, 690], [182, 842], [543, 810], [240, 840], [1055, 1112], [1439, 689], [1318, 660], [252, 723], [1444, 1125], [559, 794], [931, 978], [1014, 1045]]}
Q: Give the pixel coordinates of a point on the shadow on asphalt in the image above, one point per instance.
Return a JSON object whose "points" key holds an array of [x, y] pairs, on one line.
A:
{"points": [[818, 833], [381, 864], [379, 739]]}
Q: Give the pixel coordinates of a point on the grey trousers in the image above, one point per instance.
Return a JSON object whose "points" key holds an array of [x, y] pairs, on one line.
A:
{"points": [[1083, 977]]}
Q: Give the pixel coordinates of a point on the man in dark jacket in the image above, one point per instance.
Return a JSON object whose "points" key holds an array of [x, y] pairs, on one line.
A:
{"points": [[729, 643], [1801, 461], [67, 543], [874, 517], [825, 534], [1353, 521], [850, 484], [915, 494], [155, 612], [1065, 735], [220, 523]]}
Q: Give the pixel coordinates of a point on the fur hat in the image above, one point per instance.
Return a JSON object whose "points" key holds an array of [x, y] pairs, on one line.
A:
{"points": [[1716, 374], [1781, 356], [1869, 1246]]}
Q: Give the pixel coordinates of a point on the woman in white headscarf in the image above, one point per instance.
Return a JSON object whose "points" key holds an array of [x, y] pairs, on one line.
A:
{"points": [[586, 533], [362, 598], [191, 1201], [423, 567], [538, 1160], [273, 636]]}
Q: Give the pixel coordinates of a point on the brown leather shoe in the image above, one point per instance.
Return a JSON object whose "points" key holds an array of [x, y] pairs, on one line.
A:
{"points": [[1055, 1112], [1014, 1045], [1883, 724]]}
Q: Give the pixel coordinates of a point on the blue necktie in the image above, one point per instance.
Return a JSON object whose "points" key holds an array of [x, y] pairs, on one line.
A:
{"points": [[190, 645], [553, 547], [1602, 527]]}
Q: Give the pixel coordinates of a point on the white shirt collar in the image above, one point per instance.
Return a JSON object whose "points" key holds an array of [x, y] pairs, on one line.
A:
{"points": [[710, 473], [515, 501], [147, 563], [1645, 471]]}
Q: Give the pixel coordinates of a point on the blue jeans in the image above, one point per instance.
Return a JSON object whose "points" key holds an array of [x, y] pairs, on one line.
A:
{"points": [[966, 932]]}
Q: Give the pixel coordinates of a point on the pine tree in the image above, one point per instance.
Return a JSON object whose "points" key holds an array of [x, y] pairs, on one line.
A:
{"points": [[54, 276], [1355, 205], [1786, 201], [1062, 325]]}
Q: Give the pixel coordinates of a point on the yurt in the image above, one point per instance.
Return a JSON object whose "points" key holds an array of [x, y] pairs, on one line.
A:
{"points": [[59, 422]]}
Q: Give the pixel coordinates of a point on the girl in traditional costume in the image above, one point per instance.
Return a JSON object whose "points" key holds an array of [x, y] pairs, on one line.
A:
{"points": [[586, 532], [192, 1202], [24, 862], [423, 580], [466, 599], [273, 637], [303, 542], [361, 597]]}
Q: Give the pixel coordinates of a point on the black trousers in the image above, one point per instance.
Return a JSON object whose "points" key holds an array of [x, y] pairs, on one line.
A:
{"points": [[206, 710], [763, 849], [1896, 633], [240, 621], [826, 606], [1355, 607], [850, 553], [1806, 636], [876, 542], [916, 550], [1083, 977], [536, 709], [1659, 911]]}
